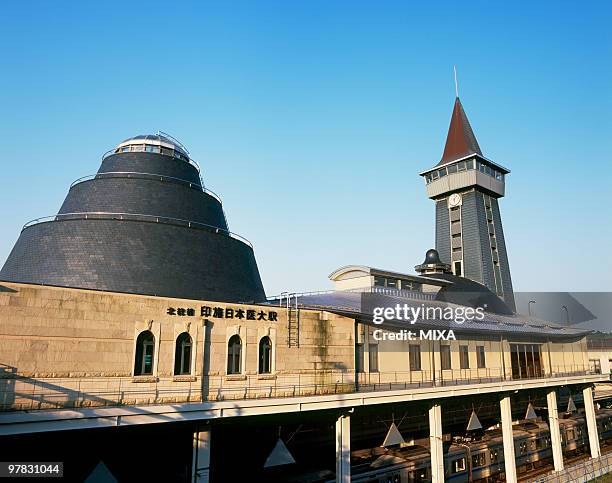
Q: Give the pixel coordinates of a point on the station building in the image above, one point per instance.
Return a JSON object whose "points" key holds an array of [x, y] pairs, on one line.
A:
{"points": [[135, 330]]}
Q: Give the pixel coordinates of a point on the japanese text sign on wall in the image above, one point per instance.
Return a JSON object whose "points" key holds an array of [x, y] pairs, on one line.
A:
{"points": [[224, 313]]}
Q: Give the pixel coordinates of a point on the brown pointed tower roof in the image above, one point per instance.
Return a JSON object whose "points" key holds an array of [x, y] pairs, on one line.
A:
{"points": [[460, 141]]}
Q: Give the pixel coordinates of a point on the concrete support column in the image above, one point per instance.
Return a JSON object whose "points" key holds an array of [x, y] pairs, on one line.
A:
{"points": [[589, 409], [200, 460], [343, 449], [435, 444], [506, 420], [555, 433]]}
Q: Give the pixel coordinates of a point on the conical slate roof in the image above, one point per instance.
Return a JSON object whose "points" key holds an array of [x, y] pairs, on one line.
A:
{"points": [[143, 224], [460, 141]]}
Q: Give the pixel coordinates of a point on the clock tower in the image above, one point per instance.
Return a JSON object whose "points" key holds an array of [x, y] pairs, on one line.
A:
{"points": [[466, 187]]}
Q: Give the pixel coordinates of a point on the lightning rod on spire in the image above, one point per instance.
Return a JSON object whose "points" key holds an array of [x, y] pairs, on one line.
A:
{"points": [[456, 84]]}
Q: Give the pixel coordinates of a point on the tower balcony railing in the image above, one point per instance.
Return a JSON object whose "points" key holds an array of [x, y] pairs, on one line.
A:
{"points": [[102, 215], [151, 148], [25, 393], [154, 149], [152, 176]]}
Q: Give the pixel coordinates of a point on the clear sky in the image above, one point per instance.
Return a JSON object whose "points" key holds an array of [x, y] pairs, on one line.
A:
{"points": [[312, 119]]}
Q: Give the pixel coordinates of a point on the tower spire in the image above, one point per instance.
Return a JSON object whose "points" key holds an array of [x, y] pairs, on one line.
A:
{"points": [[460, 141]]}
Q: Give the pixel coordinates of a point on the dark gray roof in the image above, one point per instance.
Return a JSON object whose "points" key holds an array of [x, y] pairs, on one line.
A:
{"points": [[143, 224], [358, 303]]}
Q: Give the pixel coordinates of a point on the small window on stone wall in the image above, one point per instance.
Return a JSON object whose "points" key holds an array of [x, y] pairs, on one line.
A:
{"points": [[145, 348], [182, 355], [234, 355], [265, 355]]}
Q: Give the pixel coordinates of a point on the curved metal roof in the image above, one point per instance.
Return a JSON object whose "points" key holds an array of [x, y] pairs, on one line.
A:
{"points": [[358, 304], [158, 139]]}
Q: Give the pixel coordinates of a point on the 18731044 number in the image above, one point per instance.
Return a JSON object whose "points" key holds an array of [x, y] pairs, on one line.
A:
{"points": [[31, 469]]}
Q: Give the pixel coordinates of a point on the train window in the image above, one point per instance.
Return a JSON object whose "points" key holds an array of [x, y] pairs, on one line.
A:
{"points": [[479, 460], [494, 454], [523, 447], [570, 434], [532, 445], [458, 465]]}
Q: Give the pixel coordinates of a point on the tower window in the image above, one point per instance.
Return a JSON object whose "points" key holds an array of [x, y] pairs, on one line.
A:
{"points": [[234, 355], [265, 355], [182, 355], [461, 166], [458, 269], [145, 349], [442, 172], [452, 168]]}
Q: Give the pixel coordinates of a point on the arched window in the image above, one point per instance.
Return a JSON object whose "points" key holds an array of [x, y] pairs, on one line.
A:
{"points": [[234, 355], [182, 355], [265, 355], [145, 349]]}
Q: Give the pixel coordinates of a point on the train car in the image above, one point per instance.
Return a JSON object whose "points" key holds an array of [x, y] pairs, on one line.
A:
{"points": [[478, 460], [406, 463], [604, 426]]}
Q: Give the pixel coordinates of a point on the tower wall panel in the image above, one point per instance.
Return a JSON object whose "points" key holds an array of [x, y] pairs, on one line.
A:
{"points": [[443, 231]]}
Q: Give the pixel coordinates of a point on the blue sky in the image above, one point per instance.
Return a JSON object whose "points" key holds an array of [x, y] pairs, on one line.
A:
{"points": [[312, 119]]}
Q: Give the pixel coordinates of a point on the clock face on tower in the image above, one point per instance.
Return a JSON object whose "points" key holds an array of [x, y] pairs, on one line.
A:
{"points": [[454, 200]]}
